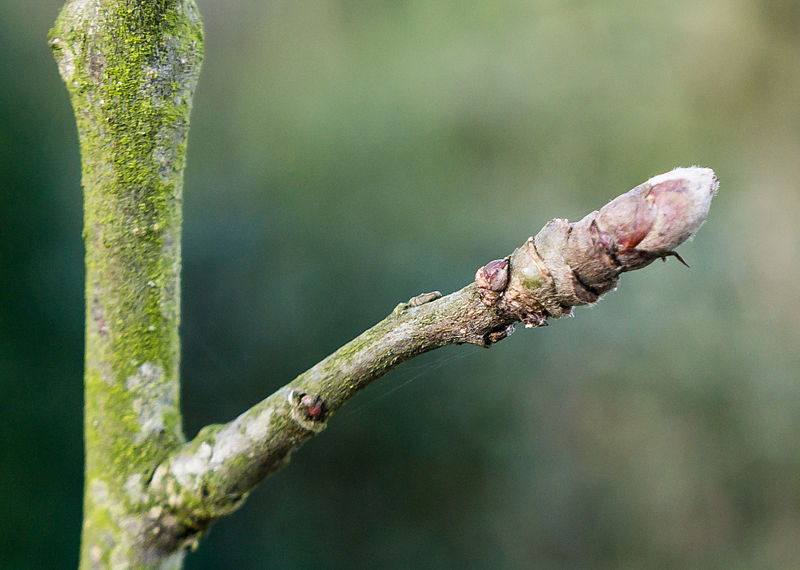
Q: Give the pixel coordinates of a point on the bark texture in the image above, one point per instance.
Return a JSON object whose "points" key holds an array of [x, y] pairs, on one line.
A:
{"points": [[131, 68]]}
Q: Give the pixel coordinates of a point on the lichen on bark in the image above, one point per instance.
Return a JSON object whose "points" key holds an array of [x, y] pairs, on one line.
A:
{"points": [[130, 68]]}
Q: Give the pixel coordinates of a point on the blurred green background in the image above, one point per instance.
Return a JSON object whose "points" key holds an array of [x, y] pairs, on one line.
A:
{"points": [[345, 156]]}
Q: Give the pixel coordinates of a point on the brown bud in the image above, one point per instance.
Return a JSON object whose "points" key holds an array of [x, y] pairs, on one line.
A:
{"points": [[312, 405], [493, 275]]}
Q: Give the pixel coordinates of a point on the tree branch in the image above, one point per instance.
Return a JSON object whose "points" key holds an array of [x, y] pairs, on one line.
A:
{"points": [[565, 265], [131, 67]]}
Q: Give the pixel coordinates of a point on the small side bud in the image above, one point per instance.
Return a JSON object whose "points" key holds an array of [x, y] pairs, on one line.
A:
{"points": [[493, 276], [313, 406], [307, 410]]}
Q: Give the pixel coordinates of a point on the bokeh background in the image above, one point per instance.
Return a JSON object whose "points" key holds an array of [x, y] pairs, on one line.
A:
{"points": [[345, 156]]}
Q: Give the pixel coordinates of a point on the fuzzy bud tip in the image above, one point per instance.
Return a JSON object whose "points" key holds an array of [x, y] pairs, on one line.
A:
{"points": [[660, 214]]}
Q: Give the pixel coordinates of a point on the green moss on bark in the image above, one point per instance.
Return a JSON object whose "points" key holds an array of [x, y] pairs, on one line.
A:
{"points": [[130, 68]]}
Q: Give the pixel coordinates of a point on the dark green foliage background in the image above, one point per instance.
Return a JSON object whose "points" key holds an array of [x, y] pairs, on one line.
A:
{"points": [[345, 156]]}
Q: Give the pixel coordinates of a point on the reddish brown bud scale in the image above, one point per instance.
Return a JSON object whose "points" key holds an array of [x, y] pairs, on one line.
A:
{"points": [[627, 219], [313, 406], [493, 275]]}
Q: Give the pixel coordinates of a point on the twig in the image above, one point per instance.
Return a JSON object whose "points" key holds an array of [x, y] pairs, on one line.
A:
{"points": [[564, 265]]}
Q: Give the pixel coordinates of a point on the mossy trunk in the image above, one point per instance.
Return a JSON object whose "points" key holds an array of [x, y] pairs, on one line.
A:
{"points": [[130, 68]]}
